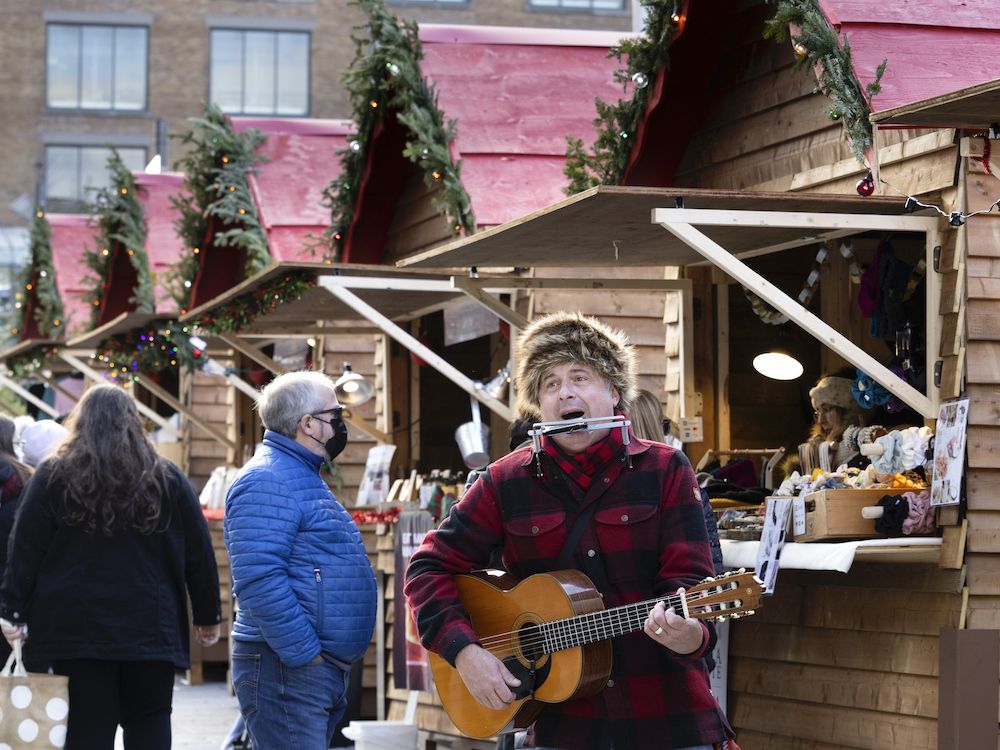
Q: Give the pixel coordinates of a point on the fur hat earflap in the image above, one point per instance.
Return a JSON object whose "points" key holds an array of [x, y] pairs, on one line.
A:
{"points": [[572, 337]]}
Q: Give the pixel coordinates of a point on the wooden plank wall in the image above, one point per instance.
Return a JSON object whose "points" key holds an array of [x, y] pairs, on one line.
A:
{"points": [[982, 266], [843, 662], [361, 351], [767, 129], [416, 224], [650, 319], [213, 399]]}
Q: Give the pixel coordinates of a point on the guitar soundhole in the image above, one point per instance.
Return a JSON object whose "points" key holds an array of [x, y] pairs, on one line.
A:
{"points": [[529, 637]]}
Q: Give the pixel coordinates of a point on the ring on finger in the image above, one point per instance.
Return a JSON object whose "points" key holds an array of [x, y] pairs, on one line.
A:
{"points": [[658, 631]]}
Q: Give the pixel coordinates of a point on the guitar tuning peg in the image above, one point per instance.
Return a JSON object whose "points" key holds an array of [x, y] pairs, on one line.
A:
{"points": [[741, 571], [752, 611]]}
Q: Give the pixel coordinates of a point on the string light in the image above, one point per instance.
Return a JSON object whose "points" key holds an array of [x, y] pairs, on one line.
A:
{"points": [[955, 218]]}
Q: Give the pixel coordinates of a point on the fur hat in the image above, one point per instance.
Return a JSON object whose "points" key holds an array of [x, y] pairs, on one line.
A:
{"points": [[832, 390], [572, 337]]}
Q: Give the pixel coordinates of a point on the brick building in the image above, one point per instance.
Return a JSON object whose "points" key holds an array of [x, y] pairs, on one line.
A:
{"points": [[80, 75]]}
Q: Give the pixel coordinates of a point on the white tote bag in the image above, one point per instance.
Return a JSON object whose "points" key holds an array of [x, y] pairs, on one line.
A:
{"points": [[33, 707]]}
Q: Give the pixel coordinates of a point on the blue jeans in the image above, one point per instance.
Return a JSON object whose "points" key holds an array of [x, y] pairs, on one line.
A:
{"points": [[293, 708]]}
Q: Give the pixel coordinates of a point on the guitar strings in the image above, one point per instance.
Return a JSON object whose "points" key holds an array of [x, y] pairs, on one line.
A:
{"points": [[502, 644]]}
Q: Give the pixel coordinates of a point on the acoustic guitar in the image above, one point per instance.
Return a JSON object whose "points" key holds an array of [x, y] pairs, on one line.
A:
{"points": [[552, 632]]}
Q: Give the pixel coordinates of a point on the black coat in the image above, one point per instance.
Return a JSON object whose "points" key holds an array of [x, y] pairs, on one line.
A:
{"points": [[10, 492], [119, 597]]}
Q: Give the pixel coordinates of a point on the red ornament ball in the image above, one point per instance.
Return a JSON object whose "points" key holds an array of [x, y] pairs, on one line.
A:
{"points": [[866, 186], [196, 353]]}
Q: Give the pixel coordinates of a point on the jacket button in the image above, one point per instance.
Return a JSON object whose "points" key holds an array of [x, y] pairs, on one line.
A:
{"points": [[607, 479], [534, 529], [591, 553], [611, 683]]}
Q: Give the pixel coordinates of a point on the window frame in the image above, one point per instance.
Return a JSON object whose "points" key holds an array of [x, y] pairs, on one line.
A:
{"points": [[81, 199], [112, 110], [243, 31], [624, 10]]}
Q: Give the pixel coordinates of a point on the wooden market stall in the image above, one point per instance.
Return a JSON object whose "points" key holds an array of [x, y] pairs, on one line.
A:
{"points": [[730, 118], [51, 310]]}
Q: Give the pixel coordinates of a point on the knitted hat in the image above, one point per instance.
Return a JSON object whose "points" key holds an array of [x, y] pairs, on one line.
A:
{"points": [[834, 391], [571, 337], [41, 440]]}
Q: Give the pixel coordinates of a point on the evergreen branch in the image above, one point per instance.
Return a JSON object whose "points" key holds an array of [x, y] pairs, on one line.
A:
{"points": [[385, 81]]}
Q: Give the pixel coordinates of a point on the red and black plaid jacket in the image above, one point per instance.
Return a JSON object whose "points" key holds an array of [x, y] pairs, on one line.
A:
{"points": [[650, 533]]}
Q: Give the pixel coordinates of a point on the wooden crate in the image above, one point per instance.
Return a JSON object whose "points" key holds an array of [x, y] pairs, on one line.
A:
{"points": [[836, 514]]}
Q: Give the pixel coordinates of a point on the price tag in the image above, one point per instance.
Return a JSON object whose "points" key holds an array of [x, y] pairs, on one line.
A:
{"points": [[799, 516]]}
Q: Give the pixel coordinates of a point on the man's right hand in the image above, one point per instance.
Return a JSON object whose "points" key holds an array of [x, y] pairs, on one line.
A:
{"points": [[487, 679]]}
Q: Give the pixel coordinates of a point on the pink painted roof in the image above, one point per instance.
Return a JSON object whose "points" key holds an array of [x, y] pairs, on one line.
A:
{"points": [[288, 189], [71, 235], [933, 48], [163, 246], [516, 94]]}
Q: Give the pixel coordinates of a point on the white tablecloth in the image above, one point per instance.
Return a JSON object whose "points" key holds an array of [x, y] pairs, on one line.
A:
{"points": [[814, 555]]}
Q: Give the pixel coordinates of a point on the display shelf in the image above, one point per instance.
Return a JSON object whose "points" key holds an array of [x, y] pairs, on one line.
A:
{"points": [[836, 556]]}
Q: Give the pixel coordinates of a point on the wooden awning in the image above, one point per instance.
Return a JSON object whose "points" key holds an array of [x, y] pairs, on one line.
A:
{"points": [[400, 295], [974, 108], [607, 226]]}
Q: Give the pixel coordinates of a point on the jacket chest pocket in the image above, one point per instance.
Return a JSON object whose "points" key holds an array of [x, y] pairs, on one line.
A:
{"points": [[537, 536], [629, 532]]}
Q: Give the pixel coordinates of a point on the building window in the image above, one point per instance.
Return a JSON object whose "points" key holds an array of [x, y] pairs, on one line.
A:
{"points": [[96, 67], [260, 72], [74, 174], [578, 4]]}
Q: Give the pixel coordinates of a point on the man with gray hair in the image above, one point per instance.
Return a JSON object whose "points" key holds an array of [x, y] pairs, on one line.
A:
{"points": [[305, 587]]}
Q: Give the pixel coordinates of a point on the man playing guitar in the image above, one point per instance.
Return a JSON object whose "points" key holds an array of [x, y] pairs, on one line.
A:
{"points": [[626, 512]]}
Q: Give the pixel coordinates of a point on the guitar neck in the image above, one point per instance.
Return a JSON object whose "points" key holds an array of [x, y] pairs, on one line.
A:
{"points": [[602, 625]]}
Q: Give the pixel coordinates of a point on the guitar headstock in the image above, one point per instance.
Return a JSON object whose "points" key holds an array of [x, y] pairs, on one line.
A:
{"points": [[731, 595]]}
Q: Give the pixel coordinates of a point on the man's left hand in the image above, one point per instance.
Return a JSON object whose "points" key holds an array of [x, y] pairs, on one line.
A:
{"points": [[666, 627]]}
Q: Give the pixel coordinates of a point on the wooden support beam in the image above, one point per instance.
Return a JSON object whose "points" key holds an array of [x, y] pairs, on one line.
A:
{"points": [[168, 398], [27, 396], [252, 352], [52, 383], [795, 312], [91, 373], [430, 357], [490, 302]]}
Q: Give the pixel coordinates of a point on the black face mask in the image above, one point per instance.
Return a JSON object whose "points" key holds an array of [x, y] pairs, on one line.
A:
{"points": [[336, 444]]}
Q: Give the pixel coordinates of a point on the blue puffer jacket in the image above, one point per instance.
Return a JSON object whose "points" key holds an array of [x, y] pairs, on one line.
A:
{"points": [[300, 571]]}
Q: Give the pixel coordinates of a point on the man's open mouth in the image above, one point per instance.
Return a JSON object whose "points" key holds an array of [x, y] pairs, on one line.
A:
{"points": [[572, 414]]}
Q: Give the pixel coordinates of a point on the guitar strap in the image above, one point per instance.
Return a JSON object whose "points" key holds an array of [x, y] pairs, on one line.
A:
{"points": [[592, 566]]}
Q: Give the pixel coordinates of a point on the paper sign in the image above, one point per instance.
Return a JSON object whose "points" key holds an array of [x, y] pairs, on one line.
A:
{"points": [[772, 539], [949, 453], [799, 516]]}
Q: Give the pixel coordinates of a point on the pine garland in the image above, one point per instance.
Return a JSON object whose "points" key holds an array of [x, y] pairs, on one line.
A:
{"points": [[246, 308], [39, 278], [149, 350], [385, 77], [217, 165], [617, 123], [817, 45], [31, 362], [121, 226]]}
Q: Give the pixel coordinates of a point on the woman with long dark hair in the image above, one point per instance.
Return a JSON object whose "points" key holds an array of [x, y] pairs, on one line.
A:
{"points": [[108, 542], [13, 476]]}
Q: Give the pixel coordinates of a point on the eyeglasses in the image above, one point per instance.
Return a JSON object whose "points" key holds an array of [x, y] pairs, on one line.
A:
{"points": [[337, 412], [824, 409]]}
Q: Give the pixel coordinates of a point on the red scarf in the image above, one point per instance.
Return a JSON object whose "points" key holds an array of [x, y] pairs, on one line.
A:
{"points": [[584, 466]]}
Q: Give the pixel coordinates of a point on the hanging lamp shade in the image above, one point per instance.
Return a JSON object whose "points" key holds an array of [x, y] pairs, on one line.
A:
{"points": [[353, 389], [778, 364]]}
